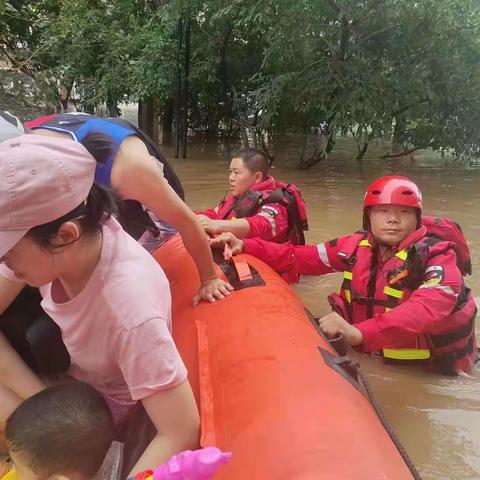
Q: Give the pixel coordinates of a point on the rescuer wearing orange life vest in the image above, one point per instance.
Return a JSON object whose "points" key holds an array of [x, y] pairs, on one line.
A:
{"points": [[403, 293]]}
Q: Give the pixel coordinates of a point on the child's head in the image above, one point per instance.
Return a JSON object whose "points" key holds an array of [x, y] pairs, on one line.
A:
{"points": [[248, 166], [392, 209], [63, 432], [47, 203]]}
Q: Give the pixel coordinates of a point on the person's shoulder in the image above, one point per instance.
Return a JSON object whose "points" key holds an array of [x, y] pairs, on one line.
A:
{"points": [[135, 298], [126, 257], [135, 286], [439, 246], [134, 150], [134, 167], [353, 240], [271, 209]]}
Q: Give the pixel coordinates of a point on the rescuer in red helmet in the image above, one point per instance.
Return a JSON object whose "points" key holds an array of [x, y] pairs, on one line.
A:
{"points": [[403, 293]]}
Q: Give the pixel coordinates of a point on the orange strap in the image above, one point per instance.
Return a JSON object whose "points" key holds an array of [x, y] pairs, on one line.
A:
{"points": [[207, 412], [243, 269], [398, 277]]}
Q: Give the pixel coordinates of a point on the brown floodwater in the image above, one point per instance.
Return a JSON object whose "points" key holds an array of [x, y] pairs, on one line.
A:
{"points": [[437, 418]]}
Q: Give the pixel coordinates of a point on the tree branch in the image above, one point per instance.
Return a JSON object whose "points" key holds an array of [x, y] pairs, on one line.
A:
{"points": [[378, 32], [407, 107], [401, 154]]}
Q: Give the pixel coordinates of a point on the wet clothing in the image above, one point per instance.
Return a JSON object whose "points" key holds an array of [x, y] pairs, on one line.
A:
{"points": [[415, 300], [269, 222]]}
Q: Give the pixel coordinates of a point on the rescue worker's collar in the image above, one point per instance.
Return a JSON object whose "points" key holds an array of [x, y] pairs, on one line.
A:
{"points": [[267, 184]]}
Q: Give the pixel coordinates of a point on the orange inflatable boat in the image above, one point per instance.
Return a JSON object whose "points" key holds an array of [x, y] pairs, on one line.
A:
{"points": [[270, 388]]}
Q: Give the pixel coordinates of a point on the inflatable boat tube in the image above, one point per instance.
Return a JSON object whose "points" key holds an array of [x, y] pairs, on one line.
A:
{"points": [[270, 388]]}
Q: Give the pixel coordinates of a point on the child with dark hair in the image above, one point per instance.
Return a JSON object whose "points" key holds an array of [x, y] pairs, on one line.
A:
{"points": [[63, 432], [57, 233], [256, 206]]}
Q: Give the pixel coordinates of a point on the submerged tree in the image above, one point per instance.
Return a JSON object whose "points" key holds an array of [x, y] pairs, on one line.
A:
{"points": [[402, 70]]}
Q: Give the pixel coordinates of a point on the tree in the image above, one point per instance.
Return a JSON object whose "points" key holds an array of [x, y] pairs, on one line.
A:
{"points": [[372, 69]]}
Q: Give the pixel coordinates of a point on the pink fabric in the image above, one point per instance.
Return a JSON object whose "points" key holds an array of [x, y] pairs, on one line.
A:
{"points": [[34, 171], [118, 329]]}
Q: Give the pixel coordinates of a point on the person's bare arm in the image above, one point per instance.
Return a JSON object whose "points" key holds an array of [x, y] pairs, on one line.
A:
{"points": [[138, 176], [239, 227], [9, 290], [175, 416], [14, 373]]}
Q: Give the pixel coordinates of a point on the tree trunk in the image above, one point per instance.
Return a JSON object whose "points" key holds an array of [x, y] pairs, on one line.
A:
{"points": [[398, 138], [362, 151], [64, 96], [344, 39], [167, 121], [112, 108], [89, 108], [147, 118], [224, 75]]}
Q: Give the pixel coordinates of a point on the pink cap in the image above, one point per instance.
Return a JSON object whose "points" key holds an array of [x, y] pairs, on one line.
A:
{"points": [[41, 179]]}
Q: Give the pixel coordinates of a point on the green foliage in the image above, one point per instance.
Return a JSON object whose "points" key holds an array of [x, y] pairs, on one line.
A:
{"points": [[372, 69], [366, 66]]}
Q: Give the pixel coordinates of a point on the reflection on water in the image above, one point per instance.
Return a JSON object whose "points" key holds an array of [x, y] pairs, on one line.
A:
{"points": [[437, 418]]}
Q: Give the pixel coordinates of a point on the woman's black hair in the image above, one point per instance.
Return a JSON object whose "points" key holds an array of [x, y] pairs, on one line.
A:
{"points": [[99, 145], [99, 206]]}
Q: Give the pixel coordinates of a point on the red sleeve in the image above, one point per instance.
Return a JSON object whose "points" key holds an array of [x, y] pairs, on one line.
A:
{"points": [[330, 252], [269, 223], [287, 258], [424, 312], [210, 213]]}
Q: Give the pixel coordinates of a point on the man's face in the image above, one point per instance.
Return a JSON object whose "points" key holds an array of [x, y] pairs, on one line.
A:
{"points": [[240, 178], [391, 224]]}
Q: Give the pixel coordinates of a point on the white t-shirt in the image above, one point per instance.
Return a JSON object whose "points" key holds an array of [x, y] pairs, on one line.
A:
{"points": [[117, 330]]}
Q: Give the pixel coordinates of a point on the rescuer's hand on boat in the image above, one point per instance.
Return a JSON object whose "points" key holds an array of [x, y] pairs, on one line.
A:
{"points": [[333, 324], [214, 289], [208, 224], [235, 245]]}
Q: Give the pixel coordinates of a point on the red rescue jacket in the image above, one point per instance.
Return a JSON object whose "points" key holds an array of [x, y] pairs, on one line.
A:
{"points": [[414, 306], [274, 211]]}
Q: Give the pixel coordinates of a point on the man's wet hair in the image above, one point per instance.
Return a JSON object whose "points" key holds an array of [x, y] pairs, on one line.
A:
{"points": [[255, 160], [65, 430]]}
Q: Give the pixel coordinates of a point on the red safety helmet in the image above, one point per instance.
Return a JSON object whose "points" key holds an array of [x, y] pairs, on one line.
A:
{"points": [[392, 190]]}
